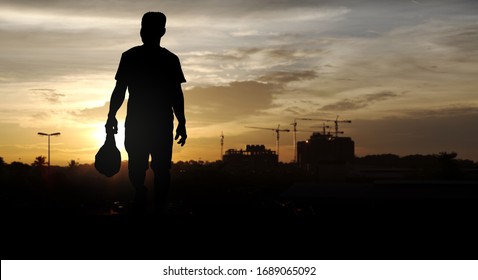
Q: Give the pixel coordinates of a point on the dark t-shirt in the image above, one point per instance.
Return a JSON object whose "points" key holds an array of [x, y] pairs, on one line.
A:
{"points": [[152, 74]]}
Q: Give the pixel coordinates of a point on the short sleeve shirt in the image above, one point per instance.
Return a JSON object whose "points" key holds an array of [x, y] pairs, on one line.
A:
{"points": [[152, 74]]}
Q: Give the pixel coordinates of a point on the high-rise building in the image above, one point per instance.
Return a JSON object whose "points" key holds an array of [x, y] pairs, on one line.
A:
{"points": [[325, 148]]}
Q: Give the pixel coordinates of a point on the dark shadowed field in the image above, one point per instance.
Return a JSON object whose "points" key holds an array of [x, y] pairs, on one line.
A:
{"points": [[219, 211]]}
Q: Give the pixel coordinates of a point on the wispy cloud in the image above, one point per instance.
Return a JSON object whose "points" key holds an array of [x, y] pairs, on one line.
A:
{"points": [[229, 102], [445, 111], [48, 94], [288, 76], [464, 39], [99, 113], [206, 104], [41, 116], [359, 102], [419, 132]]}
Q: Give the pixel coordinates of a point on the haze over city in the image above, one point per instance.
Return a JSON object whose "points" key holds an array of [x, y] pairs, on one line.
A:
{"points": [[404, 72]]}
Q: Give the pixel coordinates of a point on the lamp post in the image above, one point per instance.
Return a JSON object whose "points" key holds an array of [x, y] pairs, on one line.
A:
{"points": [[50, 134]]}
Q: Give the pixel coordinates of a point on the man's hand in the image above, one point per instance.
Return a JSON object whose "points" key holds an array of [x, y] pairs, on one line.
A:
{"points": [[181, 132], [111, 125]]}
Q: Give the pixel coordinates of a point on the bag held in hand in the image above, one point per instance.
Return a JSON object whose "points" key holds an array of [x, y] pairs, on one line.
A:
{"points": [[108, 158]]}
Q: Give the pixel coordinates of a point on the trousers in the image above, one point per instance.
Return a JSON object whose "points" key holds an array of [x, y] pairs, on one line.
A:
{"points": [[141, 142]]}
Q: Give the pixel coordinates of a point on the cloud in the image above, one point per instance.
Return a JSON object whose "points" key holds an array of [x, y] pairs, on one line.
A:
{"points": [[229, 102], [453, 129], [283, 77], [41, 116], [445, 111], [94, 114], [359, 102], [270, 55], [48, 94], [205, 104], [281, 64], [465, 39], [245, 33]]}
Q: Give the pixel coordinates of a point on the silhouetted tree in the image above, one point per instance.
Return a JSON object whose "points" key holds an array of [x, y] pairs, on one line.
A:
{"points": [[39, 161], [448, 166], [447, 156], [73, 163], [2, 163]]}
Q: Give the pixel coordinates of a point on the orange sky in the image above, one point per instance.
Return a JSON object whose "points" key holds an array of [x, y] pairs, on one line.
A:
{"points": [[404, 72]]}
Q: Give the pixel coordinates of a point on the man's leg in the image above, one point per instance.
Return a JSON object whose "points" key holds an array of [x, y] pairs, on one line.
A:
{"points": [[137, 175], [138, 156], [161, 165]]}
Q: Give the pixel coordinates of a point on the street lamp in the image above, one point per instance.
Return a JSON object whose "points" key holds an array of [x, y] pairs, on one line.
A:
{"points": [[51, 134]]}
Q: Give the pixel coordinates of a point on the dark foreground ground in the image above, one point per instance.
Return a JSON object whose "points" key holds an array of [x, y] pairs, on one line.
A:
{"points": [[227, 215], [326, 225]]}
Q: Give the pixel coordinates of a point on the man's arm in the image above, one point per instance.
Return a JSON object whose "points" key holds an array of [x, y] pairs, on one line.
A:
{"points": [[117, 98], [178, 107]]}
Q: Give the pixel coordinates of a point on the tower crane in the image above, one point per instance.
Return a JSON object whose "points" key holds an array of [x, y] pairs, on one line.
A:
{"points": [[324, 127], [336, 132], [277, 131], [294, 135], [336, 121]]}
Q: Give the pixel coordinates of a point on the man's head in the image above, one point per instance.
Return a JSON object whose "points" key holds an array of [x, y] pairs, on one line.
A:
{"points": [[153, 27]]}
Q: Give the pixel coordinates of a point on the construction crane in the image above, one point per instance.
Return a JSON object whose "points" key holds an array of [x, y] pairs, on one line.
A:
{"points": [[294, 135], [324, 127], [336, 132], [277, 131], [222, 144], [336, 121]]}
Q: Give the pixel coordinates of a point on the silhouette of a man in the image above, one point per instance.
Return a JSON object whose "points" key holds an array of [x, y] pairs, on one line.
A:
{"points": [[153, 76]]}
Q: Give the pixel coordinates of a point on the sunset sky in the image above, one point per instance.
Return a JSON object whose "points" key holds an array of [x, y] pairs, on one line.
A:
{"points": [[405, 73]]}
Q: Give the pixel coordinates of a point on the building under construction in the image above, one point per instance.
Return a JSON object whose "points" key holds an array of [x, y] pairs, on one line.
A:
{"points": [[253, 154], [325, 149]]}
